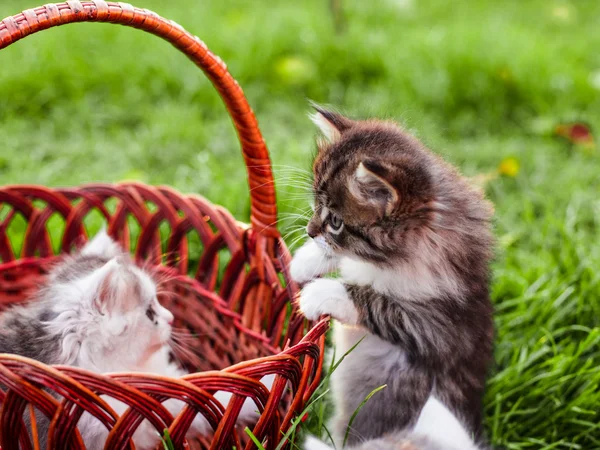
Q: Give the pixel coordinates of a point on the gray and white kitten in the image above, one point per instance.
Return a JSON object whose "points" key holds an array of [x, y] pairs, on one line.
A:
{"points": [[436, 429], [99, 311], [412, 241]]}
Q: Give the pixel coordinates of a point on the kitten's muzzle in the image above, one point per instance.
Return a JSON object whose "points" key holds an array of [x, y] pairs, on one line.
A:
{"points": [[313, 229], [323, 245]]}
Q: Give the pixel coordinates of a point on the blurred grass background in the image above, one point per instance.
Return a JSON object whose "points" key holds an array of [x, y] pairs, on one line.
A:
{"points": [[478, 81]]}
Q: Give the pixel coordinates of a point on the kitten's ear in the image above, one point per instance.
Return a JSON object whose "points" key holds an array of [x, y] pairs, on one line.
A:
{"points": [[102, 245], [370, 184], [331, 124], [116, 287]]}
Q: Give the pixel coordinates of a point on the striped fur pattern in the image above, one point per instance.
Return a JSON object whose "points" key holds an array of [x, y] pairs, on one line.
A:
{"points": [[412, 241]]}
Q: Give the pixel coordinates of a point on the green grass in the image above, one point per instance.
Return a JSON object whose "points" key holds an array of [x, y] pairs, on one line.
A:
{"points": [[478, 81], [166, 441]]}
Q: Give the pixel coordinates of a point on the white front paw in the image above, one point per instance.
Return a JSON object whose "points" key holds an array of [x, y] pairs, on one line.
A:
{"points": [[249, 414], [326, 296], [199, 426], [309, 262], [306, 260]]}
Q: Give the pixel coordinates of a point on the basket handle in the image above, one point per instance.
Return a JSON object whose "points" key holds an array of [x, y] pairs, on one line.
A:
{"points": [[263, 212]]}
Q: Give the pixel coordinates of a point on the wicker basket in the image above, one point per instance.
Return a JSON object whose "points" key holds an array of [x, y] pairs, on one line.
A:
{"points": [[240, 316]]}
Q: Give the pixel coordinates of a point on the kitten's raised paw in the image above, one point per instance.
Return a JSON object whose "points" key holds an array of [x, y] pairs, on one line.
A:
{"points": [[326, 296], [310, 262], [300, 272], [305, 263]]}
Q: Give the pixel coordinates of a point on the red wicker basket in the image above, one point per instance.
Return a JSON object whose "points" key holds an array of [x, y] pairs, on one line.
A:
{"points": [[241, 317]]}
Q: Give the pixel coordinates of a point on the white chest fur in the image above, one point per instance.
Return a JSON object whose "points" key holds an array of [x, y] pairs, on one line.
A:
{"points": [[415, 281]]}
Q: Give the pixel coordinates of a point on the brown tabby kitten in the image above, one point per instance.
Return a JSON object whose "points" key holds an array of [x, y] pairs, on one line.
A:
{"points": [[411, 239]]}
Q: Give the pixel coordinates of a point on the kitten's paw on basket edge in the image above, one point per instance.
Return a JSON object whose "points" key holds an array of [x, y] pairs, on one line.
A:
{"points": [[325, 296]]}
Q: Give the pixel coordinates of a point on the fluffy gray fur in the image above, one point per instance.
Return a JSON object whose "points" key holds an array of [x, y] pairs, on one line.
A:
{"points": [[412, 241], [399, 441]]}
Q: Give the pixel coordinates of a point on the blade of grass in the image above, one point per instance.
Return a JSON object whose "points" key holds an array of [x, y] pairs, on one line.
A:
{"points": [[329, 436], [254, 438], [354, 414], [166, 440], [298, 420]]}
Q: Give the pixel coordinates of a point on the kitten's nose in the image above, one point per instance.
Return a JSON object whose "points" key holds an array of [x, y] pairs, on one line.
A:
{"points": [[312, 230]]}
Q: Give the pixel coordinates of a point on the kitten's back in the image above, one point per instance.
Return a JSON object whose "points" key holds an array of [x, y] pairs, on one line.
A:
{"points": [[23, 332]]}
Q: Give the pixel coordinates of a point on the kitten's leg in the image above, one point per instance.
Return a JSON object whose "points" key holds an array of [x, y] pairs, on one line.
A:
{"points": [[94, 434], [383, 358], [248, 414], [428, 332], [311, 261], [312, 443], [436, 422], [146, 437], [199, 426], [396, 441]]}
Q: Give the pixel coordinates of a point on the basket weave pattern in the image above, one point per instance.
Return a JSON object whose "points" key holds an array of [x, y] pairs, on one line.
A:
{"points": [[235, 304]]}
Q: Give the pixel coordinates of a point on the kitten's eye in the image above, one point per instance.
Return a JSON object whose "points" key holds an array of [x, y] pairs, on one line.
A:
{"points": [[150, 313], [335, 224]]}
